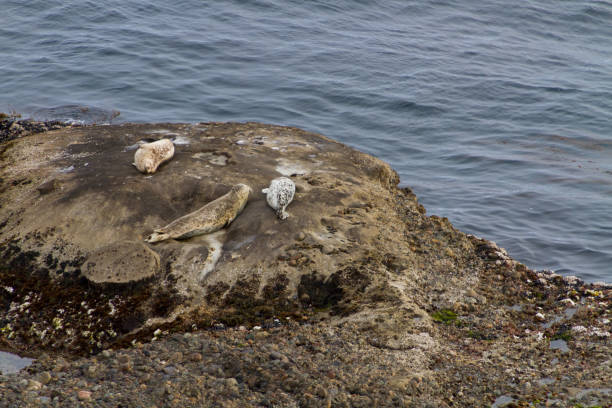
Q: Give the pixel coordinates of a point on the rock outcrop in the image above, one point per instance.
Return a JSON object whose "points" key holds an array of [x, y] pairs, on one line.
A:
{"points": [[75, 213], [76, 275]]}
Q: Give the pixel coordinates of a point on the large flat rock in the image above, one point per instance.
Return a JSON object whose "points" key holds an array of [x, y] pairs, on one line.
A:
{"points": [[76, 275], [75, 211]]}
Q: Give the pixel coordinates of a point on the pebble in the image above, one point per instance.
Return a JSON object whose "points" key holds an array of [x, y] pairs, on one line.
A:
{"points": [[170, 370], [471, 292], [123, 359], [195, 357], [260, 335], [572, 280], [84, 395], [44, 377], [327, 249], [34, 385], [91, 371], [176, 357]]}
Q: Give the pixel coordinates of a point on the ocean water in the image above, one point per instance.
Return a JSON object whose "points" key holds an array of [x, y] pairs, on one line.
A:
{"points": [[498, 115]]}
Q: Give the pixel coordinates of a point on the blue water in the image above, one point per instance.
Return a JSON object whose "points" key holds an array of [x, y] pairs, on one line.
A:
{"points": [[497, 114]]}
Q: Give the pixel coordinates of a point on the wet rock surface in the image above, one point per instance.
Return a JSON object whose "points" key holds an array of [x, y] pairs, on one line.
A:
{"points": [[357, 299]]}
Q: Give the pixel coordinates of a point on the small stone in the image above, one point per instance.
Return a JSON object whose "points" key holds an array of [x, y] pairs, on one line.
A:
{"points": [[123, 359], [540, 316], [170, 370], [459, 306], [232, 386], [568, 302], [176, 356], [84, 395], [91, 371], [34, 385], [261, 335], [44, 377], [572, 280], [321, 391], [300, 236], [60, 364], [47, 187], [106, 353], [195, 357]]}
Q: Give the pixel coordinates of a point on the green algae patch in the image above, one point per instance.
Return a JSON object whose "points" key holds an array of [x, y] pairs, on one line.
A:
{"points": [[565, 335], [444, 316]]}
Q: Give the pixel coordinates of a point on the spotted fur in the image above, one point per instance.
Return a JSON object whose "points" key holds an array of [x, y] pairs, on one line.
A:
{"points": [[279, 195]]}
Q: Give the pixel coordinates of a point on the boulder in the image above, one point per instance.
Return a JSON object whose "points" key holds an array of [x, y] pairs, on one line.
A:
{"points": [[358, 290], [75, 213]]}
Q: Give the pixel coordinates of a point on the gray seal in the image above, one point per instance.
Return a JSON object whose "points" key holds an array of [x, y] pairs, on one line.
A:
{"points": [[210, 218], [279, 195], [149, 156]]}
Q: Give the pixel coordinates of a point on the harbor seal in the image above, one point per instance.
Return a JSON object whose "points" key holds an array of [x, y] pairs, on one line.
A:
{"points": [[210, 218], [149, 156], [279, 195]]}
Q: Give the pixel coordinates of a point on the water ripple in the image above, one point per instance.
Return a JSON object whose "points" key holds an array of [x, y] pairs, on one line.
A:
{"points": [[497, 117]]}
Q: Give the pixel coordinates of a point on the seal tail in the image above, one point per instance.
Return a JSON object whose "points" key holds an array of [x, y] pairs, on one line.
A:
{"points": [[157, 236]]}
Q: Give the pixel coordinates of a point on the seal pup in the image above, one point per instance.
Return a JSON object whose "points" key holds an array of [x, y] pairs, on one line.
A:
{"points": [[149, 156], [210, 218], [279, 195]]}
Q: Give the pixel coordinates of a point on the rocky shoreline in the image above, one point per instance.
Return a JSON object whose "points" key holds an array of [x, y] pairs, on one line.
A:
{"points": [[12, 126], [359, 299]]}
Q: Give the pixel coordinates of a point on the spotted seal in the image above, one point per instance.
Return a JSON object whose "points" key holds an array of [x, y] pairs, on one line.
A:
{"points": [[210, 218], [279, 195], [149, 156]]}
